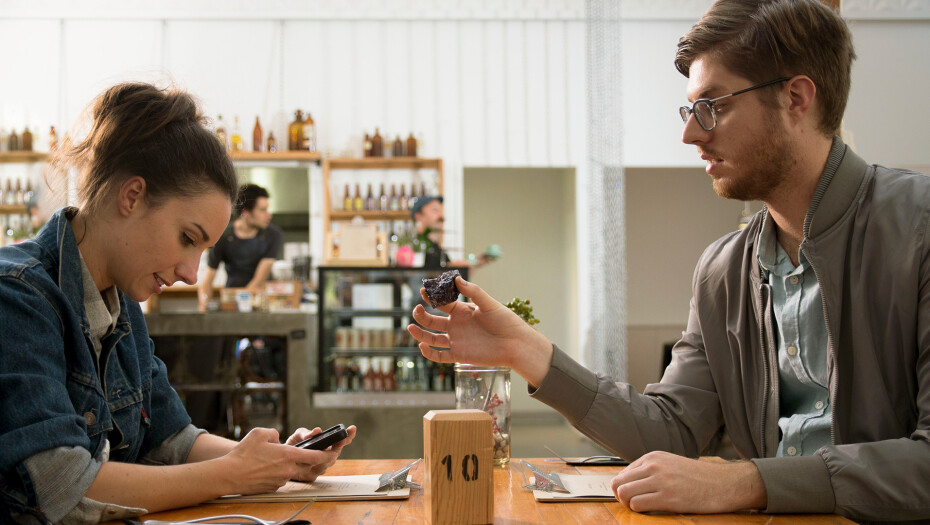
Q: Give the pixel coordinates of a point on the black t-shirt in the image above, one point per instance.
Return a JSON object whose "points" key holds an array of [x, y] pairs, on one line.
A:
{"points": [[243, 255]]}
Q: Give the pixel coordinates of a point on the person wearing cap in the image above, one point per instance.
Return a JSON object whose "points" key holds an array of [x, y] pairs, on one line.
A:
{"points": [[427, 215]]}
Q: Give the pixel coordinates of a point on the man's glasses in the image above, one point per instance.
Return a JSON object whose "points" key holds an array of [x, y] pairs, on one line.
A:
{"points": [[703, 108]]}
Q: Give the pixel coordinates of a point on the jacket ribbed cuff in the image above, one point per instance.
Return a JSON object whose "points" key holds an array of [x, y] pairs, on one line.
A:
{"points": [[797, 484]]}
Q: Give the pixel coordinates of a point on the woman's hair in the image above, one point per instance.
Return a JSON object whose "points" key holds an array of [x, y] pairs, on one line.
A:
{"points": [[140, 130], [762, 40]]}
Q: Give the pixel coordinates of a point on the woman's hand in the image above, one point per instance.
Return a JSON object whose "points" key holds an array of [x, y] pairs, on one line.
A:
{"points": [[483, 332]]}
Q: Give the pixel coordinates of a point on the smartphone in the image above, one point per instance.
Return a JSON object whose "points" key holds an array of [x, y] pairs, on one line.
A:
{"points": [[325, 439]]}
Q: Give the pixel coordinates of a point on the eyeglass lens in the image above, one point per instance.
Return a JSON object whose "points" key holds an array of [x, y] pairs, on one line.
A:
{"points": [[702, 111]]}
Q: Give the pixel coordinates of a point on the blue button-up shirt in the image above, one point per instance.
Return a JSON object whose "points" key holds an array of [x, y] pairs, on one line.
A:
{"points": [[804, 398]]}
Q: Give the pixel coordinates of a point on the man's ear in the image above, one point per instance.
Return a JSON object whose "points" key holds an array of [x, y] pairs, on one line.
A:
{"points": [[801, 92], [131, 196]]}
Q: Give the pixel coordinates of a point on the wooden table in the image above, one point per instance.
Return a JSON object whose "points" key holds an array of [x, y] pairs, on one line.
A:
{"points": [[512, 504]]}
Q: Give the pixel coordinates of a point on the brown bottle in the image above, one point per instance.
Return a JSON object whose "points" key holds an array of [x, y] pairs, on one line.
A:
{"points": [[366, 146], [397, 149], [411, 146], [295, 132], [27, 140], [13, 141], [52, 139], [272, 145], [377, 145], [257, 138]]}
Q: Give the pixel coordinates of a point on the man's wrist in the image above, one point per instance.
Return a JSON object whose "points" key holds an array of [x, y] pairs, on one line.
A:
{"points": [[751, 493]]}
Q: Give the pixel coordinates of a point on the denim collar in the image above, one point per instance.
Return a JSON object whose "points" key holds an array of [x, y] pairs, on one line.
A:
{"points": [[58, 237]]}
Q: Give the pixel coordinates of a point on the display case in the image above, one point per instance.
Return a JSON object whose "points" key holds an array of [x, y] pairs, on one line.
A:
{"points": [[366, 356]]}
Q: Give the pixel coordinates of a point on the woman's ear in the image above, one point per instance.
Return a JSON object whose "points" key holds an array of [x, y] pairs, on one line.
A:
{"points": [[131, 196]]}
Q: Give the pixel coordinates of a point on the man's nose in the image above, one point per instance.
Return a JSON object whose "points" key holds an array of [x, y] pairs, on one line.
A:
{"points": [[693, 133]]}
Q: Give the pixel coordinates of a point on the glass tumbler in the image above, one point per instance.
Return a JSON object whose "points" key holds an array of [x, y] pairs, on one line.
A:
{"points": [[487, 388]]}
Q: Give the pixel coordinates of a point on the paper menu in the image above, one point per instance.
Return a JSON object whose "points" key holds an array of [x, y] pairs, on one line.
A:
{"points": [[581, 487], [325, 488]]}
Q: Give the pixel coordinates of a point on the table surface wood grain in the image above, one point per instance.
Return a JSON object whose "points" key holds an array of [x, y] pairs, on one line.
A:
{"points": [[512, 504]]}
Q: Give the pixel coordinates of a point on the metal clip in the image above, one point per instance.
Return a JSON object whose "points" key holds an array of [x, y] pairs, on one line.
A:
{"points": [[396, 480], [544, 481]]}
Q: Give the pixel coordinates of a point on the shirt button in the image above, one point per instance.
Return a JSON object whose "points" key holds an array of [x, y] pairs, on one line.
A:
{"points": [[792, 350], [818, 405], [90, 418], [792, 451], [794, 279]]}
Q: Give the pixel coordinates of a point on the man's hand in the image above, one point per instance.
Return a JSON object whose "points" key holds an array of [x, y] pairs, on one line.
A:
{"points": [[660, 481]]}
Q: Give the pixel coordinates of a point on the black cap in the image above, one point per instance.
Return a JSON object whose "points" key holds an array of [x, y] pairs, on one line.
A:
{"points": [[423, 201]]}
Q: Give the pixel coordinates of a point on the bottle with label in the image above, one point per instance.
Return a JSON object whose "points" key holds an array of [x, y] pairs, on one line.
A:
{"points": [[309, 133], [271, 146], [28, 194], [366, 146], [370, 200], [414, 196], [411, 146], [347, 200], [236, 141], [13, 141], [295, 132], [18, 194], [377, 145], [221, 131], [397, 148], [358, 204], [394, 203], [257, 136], [26, 140], [9, 198], [52, 139], [382, 200], [404, 203]]}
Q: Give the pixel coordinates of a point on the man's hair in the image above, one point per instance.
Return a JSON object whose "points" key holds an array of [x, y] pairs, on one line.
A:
{"points": [[248, 196], [762, 40]]}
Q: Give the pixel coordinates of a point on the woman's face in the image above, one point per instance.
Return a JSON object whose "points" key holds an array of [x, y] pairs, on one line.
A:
{"points": [[160, 246]]}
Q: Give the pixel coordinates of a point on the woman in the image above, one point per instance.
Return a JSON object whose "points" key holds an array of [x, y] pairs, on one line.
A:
{"points": [[90, 429]]}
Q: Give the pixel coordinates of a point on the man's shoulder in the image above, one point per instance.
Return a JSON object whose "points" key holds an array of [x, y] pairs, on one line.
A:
{"points": [[730, 254]]}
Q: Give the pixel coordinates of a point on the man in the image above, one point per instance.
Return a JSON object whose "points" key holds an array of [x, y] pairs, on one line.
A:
{"points": [[248, 248], [428, 217], [808, 342]]}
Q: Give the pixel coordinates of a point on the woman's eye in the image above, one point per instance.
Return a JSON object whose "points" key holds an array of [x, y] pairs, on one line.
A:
{"points": [[187, 239]]}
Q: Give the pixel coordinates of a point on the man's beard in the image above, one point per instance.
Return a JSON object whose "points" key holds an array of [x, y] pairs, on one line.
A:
{"points": [[766, 166]]}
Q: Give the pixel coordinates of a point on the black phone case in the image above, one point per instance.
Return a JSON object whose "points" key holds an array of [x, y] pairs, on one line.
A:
{"points": [[324, 440]]}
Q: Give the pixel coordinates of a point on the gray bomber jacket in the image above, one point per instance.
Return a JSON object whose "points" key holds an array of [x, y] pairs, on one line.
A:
{"points": [[867, 238]]}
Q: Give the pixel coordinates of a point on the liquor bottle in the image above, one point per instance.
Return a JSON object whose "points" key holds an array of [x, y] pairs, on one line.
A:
{"points": [[309, 133], [394, 204], [397, 149], [28, 194], [414, 196], [295, 132], [368, 381], [355, 377], [9, 198], [347, 200], [221, 131], [18, 195], [378, 377], [257, 136], [390, 382], [358, 203], [272, 145], [26, 140], [370, 200], [377, 145], [366, 146], [13, 141], [236, 139], [4, 142], [52, 139], [382, 200], [411, 146], [404, 203]]}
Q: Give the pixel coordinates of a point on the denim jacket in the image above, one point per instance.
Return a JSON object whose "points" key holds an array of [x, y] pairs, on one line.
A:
{"points": [[51, 394]]}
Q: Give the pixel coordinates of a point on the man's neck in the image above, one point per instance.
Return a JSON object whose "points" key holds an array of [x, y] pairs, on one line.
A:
{"points": [[244, 229], [789, 203]]}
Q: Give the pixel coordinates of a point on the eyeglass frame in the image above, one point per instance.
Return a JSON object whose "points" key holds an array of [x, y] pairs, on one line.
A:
{"points": [[685, 112]]}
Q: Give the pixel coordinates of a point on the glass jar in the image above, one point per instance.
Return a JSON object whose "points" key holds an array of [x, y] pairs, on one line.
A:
{"points": [[487, 388]]}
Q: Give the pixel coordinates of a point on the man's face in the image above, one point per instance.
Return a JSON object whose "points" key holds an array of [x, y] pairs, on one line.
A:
{"points": [[430, 215], [748, 154], [259, 216]]}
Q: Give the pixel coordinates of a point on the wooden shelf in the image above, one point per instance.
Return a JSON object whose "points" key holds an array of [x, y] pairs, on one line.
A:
{"points": [[341, 215], [299, 156], [387, 163], [23, 156], [12, 209]]}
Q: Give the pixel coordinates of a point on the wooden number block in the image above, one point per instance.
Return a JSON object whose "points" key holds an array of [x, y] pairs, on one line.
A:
{"points": [[459, 455]]}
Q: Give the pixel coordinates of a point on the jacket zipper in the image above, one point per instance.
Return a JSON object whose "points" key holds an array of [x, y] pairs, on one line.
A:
{"points": [[765, 369]]}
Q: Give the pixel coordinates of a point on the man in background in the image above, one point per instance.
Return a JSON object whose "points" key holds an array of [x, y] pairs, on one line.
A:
{"points": [[428, 217], [248, 247]]}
